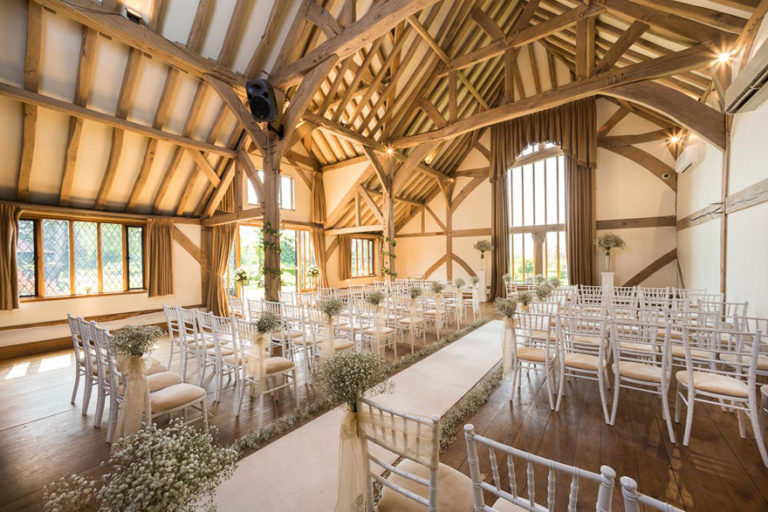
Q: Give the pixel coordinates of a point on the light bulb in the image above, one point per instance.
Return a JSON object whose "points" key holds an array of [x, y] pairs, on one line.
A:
{"points": [[389, 151], [724, 57], [674, 139]]}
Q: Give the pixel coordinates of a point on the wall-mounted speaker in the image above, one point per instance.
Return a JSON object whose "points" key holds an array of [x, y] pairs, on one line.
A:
{"points": [[261, 100]]}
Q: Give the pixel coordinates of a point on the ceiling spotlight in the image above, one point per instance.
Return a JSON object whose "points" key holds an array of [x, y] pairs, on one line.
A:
{"points": [[427, 160], [389, 151], [674, 139], [724, 57]]}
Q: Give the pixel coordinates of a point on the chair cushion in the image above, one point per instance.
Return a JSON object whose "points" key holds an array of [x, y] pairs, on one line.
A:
{"points": [[762, 361], [640, 371], [538, 355], [714, 383], [340, 345], [175, 396], [679, 351], [279, 364], [225, 351], [454, 490], [161, 380], [543, 335], [502, 505], [582, 361], [384, 330], [416, 321], [636, 347], [586, 338], [290, 333]]}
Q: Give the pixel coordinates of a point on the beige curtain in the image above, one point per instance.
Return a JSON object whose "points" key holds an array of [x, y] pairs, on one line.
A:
{"points": [[160, 256], [9, 233], [573, 127], [317, 218], [580, 222], [221, 240], [345, 257]]}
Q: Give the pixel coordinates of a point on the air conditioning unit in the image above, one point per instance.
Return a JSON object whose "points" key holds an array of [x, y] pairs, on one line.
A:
{"points": [[692, 155], [750, 88]]}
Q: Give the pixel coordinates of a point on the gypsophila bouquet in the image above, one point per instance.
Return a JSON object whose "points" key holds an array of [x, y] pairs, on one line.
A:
{"points": [[154, 470], [474, 280], [483, 246], [543, 291], [135, 340], [506, 307], [507, 278], [349, 376], [609, 241], [459, 283], [524, 298], [331, 306], [267, 322], [313, 272], [437, 287], [555, 282], [241, 276], [539, 279], [374, 298], [415, 292]]}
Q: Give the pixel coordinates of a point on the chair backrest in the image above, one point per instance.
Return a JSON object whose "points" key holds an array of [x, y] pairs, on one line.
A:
{"points": [[190, 333], [77, 337], [582, 335], [236, 306], [544, 308], [413, 437], [653, 297], [288, 297], [644, 343], [172, 318], [223, 328], [727, 352], [604, 480], [255, 308], [633, 499]]}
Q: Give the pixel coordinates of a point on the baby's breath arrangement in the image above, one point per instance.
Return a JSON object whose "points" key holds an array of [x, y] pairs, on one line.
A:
{"points": [[543, 291], [483, 246], [415, 292], [154, 470], [474, 280], [331, 306], [437, 287], [374, 298], [459, 282], [348, 376], [539, 279], [507, 278], [609, 241], [267, 322], [135, 340], [555, 282], [313, 272], [241, 276], [524, 298], [507, 307]]}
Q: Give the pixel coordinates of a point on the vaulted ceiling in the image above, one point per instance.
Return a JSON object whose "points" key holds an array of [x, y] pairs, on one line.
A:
{"points": [[104, 113]]}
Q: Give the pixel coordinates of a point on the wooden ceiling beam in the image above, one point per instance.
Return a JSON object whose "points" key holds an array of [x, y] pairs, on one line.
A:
{"points": [[234, 33], [239, 110], [694, 57], [622, 44], [380, 18], [33, 50]]}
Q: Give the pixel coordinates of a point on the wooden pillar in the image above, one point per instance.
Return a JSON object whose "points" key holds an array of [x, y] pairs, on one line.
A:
{"points": [[388, 212], [538, 252], [448, 239], [271, 228]]}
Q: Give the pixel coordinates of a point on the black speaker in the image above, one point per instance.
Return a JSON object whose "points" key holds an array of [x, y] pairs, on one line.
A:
{"points": [[261, 100]]}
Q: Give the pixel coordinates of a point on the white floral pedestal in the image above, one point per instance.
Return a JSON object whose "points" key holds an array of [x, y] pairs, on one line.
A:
{"points": [[481, 286]]}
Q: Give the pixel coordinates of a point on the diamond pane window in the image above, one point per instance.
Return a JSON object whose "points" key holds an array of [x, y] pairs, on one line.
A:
{"points": [[56, 256], [112, 257], [86, 257], [135, 258], [25, 259]]}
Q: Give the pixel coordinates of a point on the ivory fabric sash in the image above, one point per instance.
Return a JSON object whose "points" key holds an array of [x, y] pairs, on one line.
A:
{"points": [[256, 361], [330, 339], [508, 342], [136, 403], [377, 321], [352, 466]]}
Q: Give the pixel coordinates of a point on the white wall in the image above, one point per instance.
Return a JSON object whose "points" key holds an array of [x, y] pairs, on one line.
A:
{"points": [[186, 287]]}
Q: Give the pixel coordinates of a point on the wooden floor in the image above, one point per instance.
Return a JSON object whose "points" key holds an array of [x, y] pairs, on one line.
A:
{"points": [[43, 437]]}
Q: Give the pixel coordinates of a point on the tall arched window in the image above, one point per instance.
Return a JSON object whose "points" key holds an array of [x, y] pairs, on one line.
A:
{"points": [[536, 206]]}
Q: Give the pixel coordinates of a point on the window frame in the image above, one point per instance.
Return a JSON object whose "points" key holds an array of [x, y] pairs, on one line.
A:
{"points": [[39, 251], [371, 262], [259, 200]]}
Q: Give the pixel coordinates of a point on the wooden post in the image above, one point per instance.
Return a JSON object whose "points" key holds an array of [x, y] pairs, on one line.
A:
{"points": [[271, 228], [388, 212], [448, 239]]}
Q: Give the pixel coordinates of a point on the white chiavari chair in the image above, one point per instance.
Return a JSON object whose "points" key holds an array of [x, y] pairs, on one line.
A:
{"points": [[467, 302], [625, 296], [513, 499], [535, 349], [653, 297], [633, 499], [590, 294], [288, 297], [277, 368], [369, 334], [642, 362], [583, 354], [236, 307], [174, 332], [193, 343], [419, 481], [255, 308], [82, 362], [104, 372], [756, 324], [412, 321], [452, 304], [707, 380], [222, 347]]}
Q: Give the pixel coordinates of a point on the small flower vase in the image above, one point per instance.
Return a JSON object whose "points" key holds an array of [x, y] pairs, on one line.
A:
{"points": [[607, 261]]}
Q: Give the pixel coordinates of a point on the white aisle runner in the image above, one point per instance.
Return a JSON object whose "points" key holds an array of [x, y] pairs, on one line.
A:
{"points": [[298, 471]]}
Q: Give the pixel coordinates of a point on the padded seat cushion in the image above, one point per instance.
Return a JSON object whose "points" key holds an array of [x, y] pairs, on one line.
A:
{"points": [[586, 338], [384, 330], [175, 396], [636, 347], [340, 345], [582, 361], [679, 351], [714, 383], [502, 505], [454, 490], [290, 333], [543, 335], [538, 355], [225, 351], [279, 364], [416, 321], [161, 380], [762, 361], [640, 371]]}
